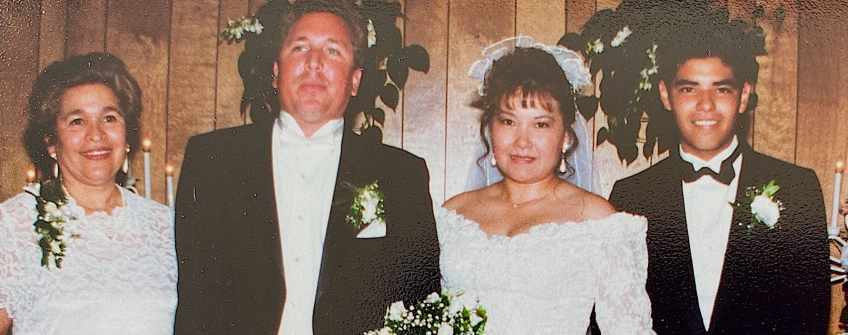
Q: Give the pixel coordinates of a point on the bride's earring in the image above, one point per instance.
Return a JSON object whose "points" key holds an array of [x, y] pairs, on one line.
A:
{"points": [[55, 165], [126, 166], [492, 161], [563, 167]]}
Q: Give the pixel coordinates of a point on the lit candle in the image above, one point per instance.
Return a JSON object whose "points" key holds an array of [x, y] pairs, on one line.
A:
{"points": [[30, 177], [837, 183], [145, 146], [169, 181]]}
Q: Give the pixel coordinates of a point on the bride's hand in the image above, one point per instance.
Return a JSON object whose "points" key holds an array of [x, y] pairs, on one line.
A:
{"points": [[5, 322]]}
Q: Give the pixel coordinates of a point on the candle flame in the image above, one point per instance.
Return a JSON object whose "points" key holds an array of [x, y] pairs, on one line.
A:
{"points": [[30, 175], [840, 166], [169, 169], [145, 145]]}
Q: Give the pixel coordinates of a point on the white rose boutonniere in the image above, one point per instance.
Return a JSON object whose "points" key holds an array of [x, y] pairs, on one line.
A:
{"points": [[763, 206], [367, 210]]}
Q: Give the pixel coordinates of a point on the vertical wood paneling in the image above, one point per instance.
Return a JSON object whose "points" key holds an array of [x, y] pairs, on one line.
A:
{"points": [[544, 20], [742, 8], [393, 125], [604, 4], [229, 86], [86, 26], [822, 104], [474, 25], [51, 39], [18, 67], [822, 101], [141, 41], [577, 12], [775, 115], [425, 96], [191, 87]]}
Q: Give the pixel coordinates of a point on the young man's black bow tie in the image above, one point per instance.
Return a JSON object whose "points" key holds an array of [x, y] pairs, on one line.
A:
{"points": [[725, 176]]}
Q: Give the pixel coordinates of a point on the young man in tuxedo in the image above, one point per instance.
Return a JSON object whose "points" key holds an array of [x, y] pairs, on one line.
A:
{"points": [[262, 239], [712, 270]]}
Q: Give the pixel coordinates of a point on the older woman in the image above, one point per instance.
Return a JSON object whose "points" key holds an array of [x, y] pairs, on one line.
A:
{"points": [[78, 253], [536, 250]]}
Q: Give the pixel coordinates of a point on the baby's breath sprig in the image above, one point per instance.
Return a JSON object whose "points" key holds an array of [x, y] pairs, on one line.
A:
{"points": [[236, 30]]}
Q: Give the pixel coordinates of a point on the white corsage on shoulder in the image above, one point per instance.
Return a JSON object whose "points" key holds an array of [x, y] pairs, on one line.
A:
{"points": [[56, 222], [367, 210], [570, 61]]}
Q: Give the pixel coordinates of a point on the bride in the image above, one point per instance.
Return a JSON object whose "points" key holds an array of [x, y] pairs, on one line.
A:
{"points": [[537, 251]]}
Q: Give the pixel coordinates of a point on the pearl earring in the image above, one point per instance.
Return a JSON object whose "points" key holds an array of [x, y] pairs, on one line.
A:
{"points": [[563, 166], [126, 166], [55, 165]]}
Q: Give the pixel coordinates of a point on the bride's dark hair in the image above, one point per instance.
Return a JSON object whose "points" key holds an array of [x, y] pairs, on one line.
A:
{"points": [[533, 74]]}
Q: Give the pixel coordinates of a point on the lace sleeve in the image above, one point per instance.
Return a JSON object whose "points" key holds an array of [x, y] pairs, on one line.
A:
{"points": [[16, 216], [622, 304]]}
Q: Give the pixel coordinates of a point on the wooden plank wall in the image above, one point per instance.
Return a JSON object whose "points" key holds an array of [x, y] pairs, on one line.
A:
{"points": [[191, 83]]}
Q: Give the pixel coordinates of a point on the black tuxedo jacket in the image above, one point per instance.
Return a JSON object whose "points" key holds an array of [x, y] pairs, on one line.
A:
{"points": [[774, 281], [228, 245]]}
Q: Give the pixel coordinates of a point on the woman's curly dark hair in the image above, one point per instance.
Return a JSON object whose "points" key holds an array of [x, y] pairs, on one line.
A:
{"points": [[537, 77], [56, 79]]}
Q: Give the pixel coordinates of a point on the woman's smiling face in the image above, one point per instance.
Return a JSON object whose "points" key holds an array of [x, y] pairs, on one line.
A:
{"points": [[527, 139], [90, 143]]}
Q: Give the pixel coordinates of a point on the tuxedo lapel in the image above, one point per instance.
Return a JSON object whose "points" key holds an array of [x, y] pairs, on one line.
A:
{"points": [[338, 232], [255, 252], [266, 201], [742, 247], [670, 252]]}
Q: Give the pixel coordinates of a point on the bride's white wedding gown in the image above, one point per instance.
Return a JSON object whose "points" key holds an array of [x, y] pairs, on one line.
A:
{"points": [[118, 277], [547, 280]]}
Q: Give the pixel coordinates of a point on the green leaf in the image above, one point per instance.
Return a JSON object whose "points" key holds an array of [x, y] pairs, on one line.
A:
{"points": [[770, 189], [603, 135], [587, 106], [398, 70], [390, 95], [417, 58]]}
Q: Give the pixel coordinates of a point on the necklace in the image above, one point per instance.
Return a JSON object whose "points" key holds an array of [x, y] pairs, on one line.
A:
{"points": [[517, 204]]}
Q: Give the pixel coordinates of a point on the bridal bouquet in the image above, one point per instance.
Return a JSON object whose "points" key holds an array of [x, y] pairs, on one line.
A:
{"points": [[448, 313]]}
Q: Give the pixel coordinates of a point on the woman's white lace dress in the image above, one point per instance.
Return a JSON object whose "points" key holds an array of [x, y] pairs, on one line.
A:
{"points": [[547, 280], [118, 277]]}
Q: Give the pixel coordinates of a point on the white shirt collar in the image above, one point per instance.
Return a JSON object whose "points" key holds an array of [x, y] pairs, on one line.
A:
{"points": [[291, 133], [715, 162]]}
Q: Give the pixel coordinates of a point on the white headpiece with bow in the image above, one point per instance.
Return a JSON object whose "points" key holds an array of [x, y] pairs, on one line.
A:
{"points": [[570, 61]]}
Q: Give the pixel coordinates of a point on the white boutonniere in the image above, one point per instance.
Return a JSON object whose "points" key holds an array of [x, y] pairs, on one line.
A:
{"points": [[763, 206], [449, 313], [55, 224], [367, 210]]}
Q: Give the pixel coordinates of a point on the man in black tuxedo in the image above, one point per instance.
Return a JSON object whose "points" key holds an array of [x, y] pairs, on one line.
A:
{"points": [[263, 243], [711, 269]]}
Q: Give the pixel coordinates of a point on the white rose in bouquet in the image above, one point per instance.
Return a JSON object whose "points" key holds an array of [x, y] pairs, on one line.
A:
{"points": [[765, 210], [445, 329], [396, 311]]}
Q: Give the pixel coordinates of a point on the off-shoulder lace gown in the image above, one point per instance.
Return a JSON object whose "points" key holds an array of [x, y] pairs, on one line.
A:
{"points": [[547, 280], [118, 277]]}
